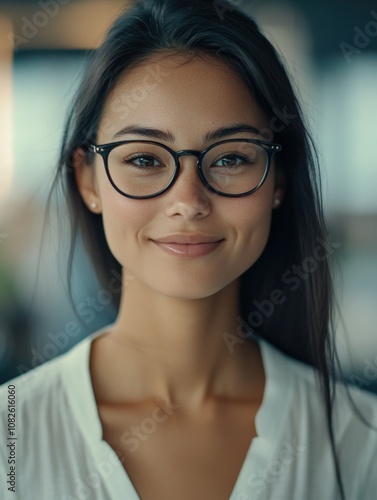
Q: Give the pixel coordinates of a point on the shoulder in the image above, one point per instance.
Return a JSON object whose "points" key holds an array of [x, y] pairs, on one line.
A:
{"points": [[39, 389], [51, 413], [354, 410], [35, 382], [354, 418], [308, 379], [37, 410]]}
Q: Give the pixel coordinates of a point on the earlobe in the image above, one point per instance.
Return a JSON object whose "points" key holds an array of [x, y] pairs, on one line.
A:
{"points": [[85, 180], [280, 187]]}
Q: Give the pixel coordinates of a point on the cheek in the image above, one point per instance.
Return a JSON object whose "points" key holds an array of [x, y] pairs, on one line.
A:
{"points": [[251, 220], [254, 227], [255, 216], [123, 220]]}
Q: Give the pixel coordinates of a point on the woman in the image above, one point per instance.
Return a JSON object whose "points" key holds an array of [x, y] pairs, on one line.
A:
{"points": [[187, 166]]}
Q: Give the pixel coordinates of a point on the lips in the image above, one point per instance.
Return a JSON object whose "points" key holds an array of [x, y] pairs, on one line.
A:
{"points": [[188, 239], [189, 245]]}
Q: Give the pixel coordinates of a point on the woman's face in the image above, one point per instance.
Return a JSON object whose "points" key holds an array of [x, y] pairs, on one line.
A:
{"points": [[186, 101]]}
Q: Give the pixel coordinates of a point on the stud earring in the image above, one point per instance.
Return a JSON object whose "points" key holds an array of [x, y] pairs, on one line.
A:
{"points": [[277, 202], [93, 205]]}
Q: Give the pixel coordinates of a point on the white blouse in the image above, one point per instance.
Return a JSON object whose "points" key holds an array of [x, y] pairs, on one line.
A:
{"points": [[57, 451]]}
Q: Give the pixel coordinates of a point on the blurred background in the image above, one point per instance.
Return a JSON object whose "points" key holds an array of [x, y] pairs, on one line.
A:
{"points": [[330, 48]]}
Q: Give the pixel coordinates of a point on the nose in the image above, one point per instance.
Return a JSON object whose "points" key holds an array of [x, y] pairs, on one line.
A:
{"points": [[188, 197]]}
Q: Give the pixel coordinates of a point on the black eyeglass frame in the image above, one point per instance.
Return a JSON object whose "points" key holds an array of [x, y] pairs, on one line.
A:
{"points": [[104, 150]]}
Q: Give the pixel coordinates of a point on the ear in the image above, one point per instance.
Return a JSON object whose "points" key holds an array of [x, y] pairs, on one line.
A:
{"points": [[280, 188], [86, 181]]}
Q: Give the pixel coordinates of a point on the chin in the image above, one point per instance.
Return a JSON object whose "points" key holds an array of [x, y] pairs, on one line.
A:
{"points": [[189, 290]]}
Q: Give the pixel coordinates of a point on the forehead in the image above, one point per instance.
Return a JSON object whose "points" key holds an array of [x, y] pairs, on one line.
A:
{"points": [[190, 95]]}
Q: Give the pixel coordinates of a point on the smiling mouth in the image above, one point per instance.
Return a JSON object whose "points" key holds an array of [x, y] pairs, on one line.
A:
{"points": [[189, 249]]}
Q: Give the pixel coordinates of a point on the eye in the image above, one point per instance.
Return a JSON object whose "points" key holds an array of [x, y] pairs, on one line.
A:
{"points": [[142, 160], [232, 160]]}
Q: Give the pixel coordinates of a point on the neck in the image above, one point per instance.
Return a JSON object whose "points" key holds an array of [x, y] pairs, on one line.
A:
{"points": [[175, 348]]}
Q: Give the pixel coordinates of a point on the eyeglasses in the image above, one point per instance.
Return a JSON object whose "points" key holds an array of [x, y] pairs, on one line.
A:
{"points": [[146, 169]]}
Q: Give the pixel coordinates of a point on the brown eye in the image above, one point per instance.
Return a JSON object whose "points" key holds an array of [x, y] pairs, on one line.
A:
{"points": [[142, 160]]}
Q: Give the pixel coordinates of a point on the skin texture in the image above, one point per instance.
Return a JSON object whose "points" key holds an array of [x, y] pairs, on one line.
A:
{"points": [[168, 336]]}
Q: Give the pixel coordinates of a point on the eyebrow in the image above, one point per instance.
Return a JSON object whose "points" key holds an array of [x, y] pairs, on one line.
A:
{"points": [[168, 136]]}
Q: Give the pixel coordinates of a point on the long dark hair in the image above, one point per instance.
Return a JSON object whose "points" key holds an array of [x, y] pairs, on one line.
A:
{"points": [[287, 295]]}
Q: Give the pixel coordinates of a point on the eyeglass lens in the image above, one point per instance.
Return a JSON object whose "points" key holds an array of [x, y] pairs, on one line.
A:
{"points": [[142, 169]]}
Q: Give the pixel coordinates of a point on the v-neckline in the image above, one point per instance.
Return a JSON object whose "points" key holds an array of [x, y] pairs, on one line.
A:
{"points": [[83, 405]]}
